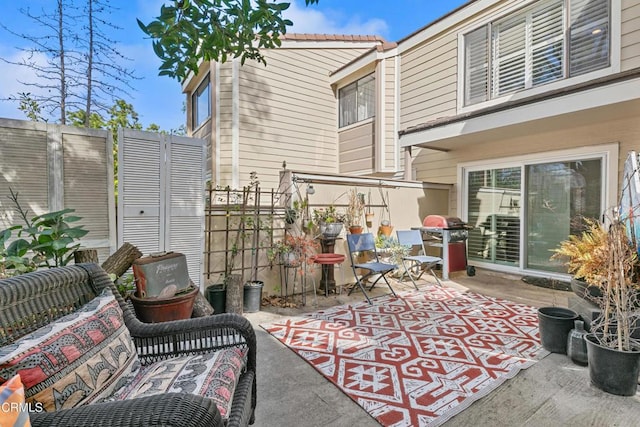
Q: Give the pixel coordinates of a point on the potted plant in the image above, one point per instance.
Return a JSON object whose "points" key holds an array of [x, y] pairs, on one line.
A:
{"points": [[329, 221], [355, 211], [612, 266], [295, 250]]}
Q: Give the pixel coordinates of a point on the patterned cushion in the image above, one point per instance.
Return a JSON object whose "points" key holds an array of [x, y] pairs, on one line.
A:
{"points": [[12, 406], [213, 375], [75, 360]]}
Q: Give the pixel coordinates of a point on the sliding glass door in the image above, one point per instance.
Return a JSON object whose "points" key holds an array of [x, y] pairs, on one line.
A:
{"points": [[559, 196], [520, 213]]}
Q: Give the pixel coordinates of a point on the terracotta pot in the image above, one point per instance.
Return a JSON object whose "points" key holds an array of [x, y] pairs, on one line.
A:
{"points": [[385, 230], [355, 229], [155, 310]]}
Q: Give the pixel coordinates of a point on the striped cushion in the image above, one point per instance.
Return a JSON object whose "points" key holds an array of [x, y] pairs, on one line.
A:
{"points": [[13, 411], [213, 375], [75, 360]]}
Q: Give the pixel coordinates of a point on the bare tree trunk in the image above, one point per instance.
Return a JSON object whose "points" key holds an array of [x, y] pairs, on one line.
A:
{"points": [[87, 114], [235, 294], [63, 77], [85, 255], [121, 260]]}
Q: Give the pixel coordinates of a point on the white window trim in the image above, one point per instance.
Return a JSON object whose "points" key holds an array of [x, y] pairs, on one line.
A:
{"points": [[351, 82], [194, 102], [608, 152], [615, 52]]}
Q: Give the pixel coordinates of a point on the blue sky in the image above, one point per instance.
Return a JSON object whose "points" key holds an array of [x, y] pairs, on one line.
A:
{"points": [[159, 99]]}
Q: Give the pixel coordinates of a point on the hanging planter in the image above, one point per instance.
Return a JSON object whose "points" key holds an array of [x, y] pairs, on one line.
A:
{"points": [[385, 229]]}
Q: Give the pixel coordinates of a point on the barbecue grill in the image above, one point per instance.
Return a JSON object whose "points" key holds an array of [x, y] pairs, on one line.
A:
{"points": [[449, 234]]}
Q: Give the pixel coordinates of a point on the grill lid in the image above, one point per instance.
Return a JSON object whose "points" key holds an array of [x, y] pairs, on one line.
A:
{"points": [[445, 222]]}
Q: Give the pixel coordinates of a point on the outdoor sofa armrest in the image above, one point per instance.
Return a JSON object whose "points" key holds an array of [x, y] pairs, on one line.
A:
{"points": [[171, 409]]}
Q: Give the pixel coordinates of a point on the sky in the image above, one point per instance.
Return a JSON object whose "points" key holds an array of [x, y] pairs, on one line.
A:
{"points": [[159, 99]]}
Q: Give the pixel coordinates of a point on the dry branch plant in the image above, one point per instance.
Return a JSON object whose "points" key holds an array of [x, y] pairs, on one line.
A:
{"points": [[604, 257]]}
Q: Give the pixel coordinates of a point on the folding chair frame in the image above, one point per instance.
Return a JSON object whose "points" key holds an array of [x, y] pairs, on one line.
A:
{"points": [[365, 243], [413, 238]]}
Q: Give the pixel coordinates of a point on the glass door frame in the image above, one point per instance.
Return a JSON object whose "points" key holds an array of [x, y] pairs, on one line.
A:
{"points": [[608, 153]]}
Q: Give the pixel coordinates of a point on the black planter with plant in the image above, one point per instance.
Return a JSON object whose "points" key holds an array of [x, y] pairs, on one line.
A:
{"points": [[607, 259]]}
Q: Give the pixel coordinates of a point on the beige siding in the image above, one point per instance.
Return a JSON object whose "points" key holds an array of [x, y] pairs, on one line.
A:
{"points": [[428, 81], [630, 54], [288, 112], [441, 167], [357, 149], [390, 149], [224, 110]]}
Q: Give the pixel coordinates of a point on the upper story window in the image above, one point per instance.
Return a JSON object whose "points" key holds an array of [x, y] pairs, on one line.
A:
{"points": [[201, 103], [357, 101], [552, 40]]}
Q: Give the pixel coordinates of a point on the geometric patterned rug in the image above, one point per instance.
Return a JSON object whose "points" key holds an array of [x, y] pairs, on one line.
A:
{"points": [[421, 358]]}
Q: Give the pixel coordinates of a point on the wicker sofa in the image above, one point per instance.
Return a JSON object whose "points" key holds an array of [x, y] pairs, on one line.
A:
{"points": [[43, 302]]}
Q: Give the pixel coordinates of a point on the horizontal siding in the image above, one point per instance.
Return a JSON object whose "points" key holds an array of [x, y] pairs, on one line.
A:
{"points": [[23, 173], [357, 149], [630, 54], [278, 126], [441, 167], [389, 116], [428, 81], [85, 182]]}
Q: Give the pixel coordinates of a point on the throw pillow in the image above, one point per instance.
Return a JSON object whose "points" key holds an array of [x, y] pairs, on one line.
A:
{"points": [[75, 360], [12, 405]]}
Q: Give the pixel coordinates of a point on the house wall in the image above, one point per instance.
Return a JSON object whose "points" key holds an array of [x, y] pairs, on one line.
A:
{"points": [[429, 70], [389, 115], [285, 111], [441, 167], [356, 148], [630, 55]]}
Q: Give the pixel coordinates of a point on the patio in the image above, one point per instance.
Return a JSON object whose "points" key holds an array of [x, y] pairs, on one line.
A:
{"points": [[554, 391]]}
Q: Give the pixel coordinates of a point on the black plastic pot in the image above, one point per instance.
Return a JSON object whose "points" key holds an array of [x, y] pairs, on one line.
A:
{"points": [[612, 371], [555, 323], [217, 297]]}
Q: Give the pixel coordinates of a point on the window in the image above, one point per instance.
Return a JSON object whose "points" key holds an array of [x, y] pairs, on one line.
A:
{"points": [[357, 101], [552, 40], [545, 201], [201, 103]]}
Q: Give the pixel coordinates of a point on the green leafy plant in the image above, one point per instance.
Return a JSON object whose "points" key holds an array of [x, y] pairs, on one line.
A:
{"points": [[45, 241], [191, 31], [328, 215]]}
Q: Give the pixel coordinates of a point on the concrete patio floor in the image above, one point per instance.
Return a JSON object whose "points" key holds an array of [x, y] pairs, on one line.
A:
{"points": [[553, 392]]}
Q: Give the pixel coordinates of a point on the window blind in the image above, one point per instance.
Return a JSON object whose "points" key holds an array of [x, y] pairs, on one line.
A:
{"points": [[589, 35], [477, 65]]}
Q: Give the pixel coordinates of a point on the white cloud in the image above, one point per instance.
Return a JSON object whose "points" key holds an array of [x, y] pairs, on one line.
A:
{"points": [[311, 20], [14, 77]]}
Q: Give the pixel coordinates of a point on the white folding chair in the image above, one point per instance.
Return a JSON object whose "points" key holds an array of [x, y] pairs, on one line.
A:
{"points": [[419, 261]]}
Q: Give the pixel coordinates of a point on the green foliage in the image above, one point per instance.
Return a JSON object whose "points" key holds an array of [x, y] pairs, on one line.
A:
{"points": [[47, 240], [192, 31], [328, 215], [30, 107]]}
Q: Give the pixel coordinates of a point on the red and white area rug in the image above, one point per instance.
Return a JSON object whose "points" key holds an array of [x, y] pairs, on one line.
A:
{"points": [[421, 358]]}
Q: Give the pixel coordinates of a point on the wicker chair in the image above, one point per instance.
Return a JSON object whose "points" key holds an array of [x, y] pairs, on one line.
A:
{"points": [[32, 300]]}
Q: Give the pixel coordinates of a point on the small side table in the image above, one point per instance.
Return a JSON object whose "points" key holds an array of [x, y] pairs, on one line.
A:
{"points": [[328, 261]]}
